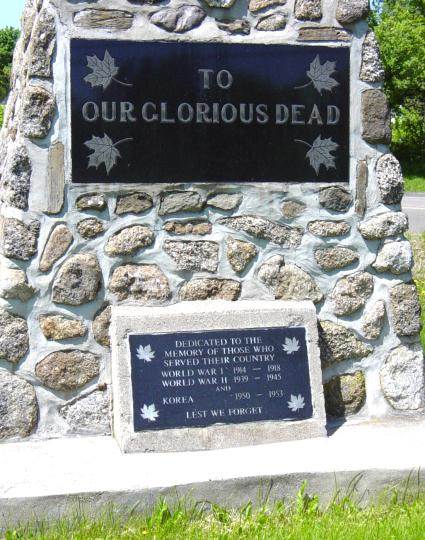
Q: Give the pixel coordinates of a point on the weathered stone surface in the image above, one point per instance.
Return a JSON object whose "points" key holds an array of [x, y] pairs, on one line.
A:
{"points": [[349, 11], [193, 255], [351, 293], [179, 201], [316, 33], [14, 284], [179, 20], [362, 175], [77, 281], [56, 246], [394, 257], [237, 26], [100, 326], [240, 253], [55, 180], [92, 201], [333, 258], [292, 209], [37, 112], [145, 282], [264, 228], [272, 23], [390, 179], [90, 227], [405, 309], [133, 203], [308, 10], [16, 178], [338, 343], [376, 117], [258, 5], [383, 225], [14, 341], [129, 240], [18, 406], [57, 327], [67, 370], [373, 320], [89, 414], [403, 378], [335, 199], [111, 19], [328, 229], [288, 282], [345, 394], [225, 201], [191, 226], [372, 69], [19, 240], [42, 46], [210, 289], [220, 3]]}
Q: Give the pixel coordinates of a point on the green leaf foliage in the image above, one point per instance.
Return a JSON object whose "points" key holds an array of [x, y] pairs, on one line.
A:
{"points": [[8, 39]]}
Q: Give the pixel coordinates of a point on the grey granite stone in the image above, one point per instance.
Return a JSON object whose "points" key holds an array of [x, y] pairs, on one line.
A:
{"points": [[56, 246], [223, 4], [210, 289], [129, 240], [42, 46], [78, 280], [16, 178], [333, 258], [272, 23], [350, 11], [55, 180], [317, 33], [293, 209], [133, 203], [19, 240], [111, 19], [58, 327], [144, 282], [18, 406], [258, 5], [288, 282], [100, 326], [405, 309], [376, 117], [308, 10], [394, 257], [403, 378], [390, 179], [264, 228], [236, 26], [345, 394], [351, 293], [373, 320], [199, 227], [179, 20], [14, 341], [195, 255], [67, 370], [91, 201], [89, 414], [328, 229], [90, 227], [14, 284], [240, 253], [338, 343], [362, 175], [180, 201], [372, 69], [38, 110], [225, 201], [335, 199], [383, 225]]}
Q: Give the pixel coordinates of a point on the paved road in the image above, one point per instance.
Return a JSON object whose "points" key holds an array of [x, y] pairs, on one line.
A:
{"points": [[414, 206]]}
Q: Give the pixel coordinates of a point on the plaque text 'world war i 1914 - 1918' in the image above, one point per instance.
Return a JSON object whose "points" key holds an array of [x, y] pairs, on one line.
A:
{"points": [[213, 112], [196, 379]]}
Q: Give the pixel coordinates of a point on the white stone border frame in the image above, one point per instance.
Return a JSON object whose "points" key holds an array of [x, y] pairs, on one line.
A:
{"points": [[214, 315]]}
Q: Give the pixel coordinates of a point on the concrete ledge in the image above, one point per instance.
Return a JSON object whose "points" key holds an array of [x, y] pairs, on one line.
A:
{"points": [[49, 478]]}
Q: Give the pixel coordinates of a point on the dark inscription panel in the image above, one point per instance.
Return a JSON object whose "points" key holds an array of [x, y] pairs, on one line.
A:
{"points": [[229, 376], [213, 112]]}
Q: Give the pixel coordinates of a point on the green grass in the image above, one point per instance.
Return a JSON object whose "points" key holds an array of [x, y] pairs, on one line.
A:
{"points": [[418, 245], [414, 176]]}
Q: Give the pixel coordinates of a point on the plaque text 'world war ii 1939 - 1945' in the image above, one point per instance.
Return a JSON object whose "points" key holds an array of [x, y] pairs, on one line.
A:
{"points": [[196, 379], [214, 112]]}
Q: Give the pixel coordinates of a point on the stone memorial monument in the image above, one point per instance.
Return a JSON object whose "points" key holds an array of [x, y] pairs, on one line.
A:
{"points": [[176, 167]]}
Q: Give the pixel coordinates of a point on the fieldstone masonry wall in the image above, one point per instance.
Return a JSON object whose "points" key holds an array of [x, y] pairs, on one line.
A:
{"points": [[69, 252]]}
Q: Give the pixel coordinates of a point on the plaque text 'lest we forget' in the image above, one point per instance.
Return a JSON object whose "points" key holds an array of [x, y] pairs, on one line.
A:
{"points": [[214, 112]]}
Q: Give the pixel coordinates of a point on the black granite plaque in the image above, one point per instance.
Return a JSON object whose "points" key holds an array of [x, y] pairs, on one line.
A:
{"points": [[194, 379], [213, 112]]}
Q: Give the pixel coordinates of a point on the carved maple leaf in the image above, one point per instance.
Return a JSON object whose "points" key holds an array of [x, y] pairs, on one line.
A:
{"points": [[149, 412], [103, 71], [145, 353], [320, 153], [296, 403], [320, 75], [291, 345], [104, 151]]}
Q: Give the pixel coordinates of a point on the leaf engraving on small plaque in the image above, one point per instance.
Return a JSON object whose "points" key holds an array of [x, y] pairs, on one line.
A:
{"points": [[291, 345], [103, 71], [320, 153], [320, 75], [145, 353], [296, 403], [149, 412], [104, 151]]}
